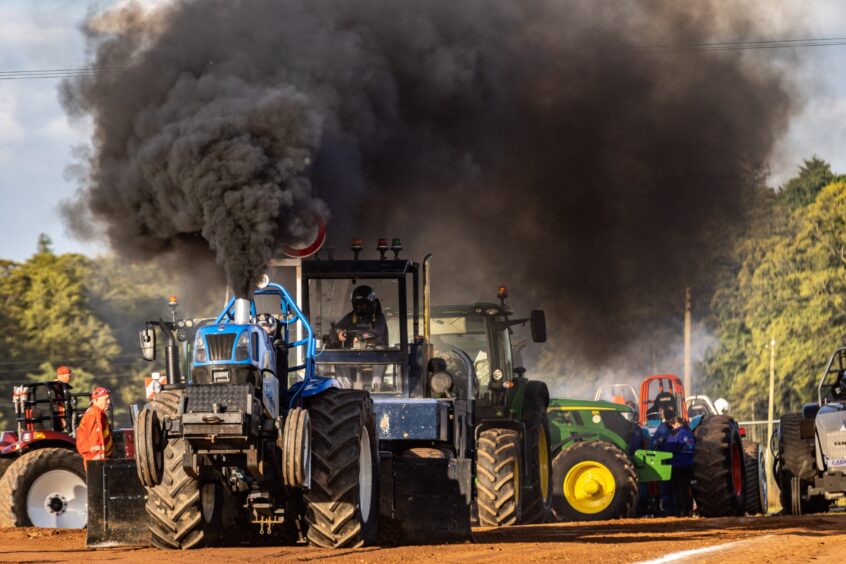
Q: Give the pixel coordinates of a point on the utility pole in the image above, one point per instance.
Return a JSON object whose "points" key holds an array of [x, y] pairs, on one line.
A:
{"points": [[688, 385], [769, 466]]}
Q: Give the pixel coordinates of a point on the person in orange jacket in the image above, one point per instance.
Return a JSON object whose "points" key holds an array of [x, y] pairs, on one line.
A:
{"points": [[94, 434]]}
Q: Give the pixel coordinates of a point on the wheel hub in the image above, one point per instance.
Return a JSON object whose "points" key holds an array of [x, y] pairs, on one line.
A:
{"points": [[589, 487], [56, 504]]}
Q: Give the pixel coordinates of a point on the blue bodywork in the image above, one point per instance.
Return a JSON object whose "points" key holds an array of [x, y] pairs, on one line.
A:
{"points": [[252, 347]]}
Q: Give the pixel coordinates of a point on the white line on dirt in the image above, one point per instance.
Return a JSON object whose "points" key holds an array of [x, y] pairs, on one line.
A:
{"points": [[684, 554]]}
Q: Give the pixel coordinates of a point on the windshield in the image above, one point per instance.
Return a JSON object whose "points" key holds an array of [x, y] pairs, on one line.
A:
{"points": [[467, 333], [357, 327]]}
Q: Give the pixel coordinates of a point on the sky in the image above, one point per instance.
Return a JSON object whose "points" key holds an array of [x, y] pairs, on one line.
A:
{"points": [[37, 139]]}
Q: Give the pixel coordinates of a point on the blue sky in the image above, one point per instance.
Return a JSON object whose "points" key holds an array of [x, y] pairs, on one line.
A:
{"points": [[36, 138]]}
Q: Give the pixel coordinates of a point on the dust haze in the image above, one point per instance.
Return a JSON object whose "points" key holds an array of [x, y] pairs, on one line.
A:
{"points": [[531, 143]]}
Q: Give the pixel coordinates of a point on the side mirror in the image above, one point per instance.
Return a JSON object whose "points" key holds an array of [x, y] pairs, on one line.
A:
{"points": [[538, 322], [148, 343]]}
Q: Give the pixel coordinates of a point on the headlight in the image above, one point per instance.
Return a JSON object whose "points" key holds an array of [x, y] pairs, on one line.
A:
{"points": [[200, 348], [497, 375], [242, 349], [440, 383]]}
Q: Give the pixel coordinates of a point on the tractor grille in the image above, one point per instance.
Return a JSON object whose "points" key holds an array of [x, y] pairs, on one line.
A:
{"points": [[832, 436], [235, 397], [220, 346]]}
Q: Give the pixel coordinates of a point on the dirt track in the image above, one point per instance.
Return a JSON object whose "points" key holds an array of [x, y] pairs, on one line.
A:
{"points": [[747, 540]]}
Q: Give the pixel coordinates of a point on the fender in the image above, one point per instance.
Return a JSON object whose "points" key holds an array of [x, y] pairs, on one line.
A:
{"points": [[316, 385]]}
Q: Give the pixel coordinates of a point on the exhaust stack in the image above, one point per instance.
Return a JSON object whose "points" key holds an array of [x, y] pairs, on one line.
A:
{"points": [[242, 311]]}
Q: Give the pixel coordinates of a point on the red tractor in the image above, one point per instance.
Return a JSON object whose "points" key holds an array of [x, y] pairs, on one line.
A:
{"points": [[42, 479], [728, 475]]}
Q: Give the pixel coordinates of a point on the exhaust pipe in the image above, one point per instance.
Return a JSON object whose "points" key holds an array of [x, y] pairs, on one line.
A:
{"points": [[242, 311], [427, 299]]}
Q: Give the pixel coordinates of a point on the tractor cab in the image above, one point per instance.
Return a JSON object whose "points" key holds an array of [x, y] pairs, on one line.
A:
{"points": [[656, 393], [359, 311]]}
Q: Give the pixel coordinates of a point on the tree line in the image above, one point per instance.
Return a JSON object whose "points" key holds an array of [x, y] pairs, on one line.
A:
{"points": [[787, 285]]}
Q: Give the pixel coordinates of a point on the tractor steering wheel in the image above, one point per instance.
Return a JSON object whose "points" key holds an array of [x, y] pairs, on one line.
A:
{"points": [[354, 336]]}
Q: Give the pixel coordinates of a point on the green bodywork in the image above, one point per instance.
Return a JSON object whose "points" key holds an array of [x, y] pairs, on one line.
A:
{"points": [[573, 420]]}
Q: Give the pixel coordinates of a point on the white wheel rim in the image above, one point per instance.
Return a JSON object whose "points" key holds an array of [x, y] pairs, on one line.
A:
{"points": [[365, 475], [207, 498], [58, 499]]}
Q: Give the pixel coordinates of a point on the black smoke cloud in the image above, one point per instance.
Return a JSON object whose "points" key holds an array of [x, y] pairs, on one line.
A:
{"points": [[532, 142]]}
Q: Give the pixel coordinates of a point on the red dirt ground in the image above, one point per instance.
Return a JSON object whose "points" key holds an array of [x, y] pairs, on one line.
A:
{"points": [[754, 539]]}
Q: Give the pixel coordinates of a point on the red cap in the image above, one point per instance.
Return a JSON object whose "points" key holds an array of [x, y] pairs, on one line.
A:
{"points": [[62, 370], [99, 392]]}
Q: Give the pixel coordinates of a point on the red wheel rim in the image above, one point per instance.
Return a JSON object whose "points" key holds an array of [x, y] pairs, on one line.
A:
{"points": [[736, 469]]}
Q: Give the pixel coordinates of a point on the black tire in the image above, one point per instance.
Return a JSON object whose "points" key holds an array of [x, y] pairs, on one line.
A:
{"points": [[19, 479], [181, 515], [4, 465], [537, 503], [498, 477], [755, 493], [798, 460], [149, 448], [718, 469], [588, 458], [340, 513], [797, 454]]}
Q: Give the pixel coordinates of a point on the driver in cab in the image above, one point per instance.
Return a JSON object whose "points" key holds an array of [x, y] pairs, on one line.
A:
{"points": [[365, 322], [364, 325]]}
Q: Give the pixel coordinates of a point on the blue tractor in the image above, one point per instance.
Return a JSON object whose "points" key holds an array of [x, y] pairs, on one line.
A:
{"points": [[233, 445]]}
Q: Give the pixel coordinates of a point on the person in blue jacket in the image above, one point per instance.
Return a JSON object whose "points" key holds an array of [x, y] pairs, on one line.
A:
{"points": [[659, 441], [681, 443]]}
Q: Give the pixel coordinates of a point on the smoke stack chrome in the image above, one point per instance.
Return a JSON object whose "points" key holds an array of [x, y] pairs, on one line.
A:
{"points": [[242, 311]]}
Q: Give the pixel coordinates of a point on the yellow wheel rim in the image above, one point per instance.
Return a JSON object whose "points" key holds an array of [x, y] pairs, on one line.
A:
{"points": [[543, 464], [589, 487]]}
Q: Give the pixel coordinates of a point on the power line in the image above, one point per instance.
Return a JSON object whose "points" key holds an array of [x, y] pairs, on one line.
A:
{"points": [[705, 47], [732, 45], [55, 73]]}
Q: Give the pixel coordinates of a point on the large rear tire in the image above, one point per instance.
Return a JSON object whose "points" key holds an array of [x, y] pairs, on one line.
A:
{"points": [[498, 477], [718, 468], [45, 488], [538, 502], [797, 468], [342, 504], [183, 513], [755, 494], [594, 481]]}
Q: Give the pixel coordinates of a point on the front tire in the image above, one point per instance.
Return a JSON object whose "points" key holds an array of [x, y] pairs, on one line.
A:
{"points": [[797, 468], [498, 477], [45, 488], [594, 481], [181, 513], [342, 504]]}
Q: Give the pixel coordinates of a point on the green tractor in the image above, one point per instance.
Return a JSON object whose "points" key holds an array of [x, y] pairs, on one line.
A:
{"points": [[598, 463], [512, 434]]}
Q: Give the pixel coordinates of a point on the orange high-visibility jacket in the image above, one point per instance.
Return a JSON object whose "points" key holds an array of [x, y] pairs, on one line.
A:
{"points": [[94, 435]]}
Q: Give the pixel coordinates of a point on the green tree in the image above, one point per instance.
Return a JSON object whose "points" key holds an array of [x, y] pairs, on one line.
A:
{"points": [[791, 288], [801, 190]]}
